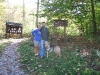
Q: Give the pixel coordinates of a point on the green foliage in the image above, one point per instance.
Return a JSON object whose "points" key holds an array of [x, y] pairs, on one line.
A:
{"points": [[2, 18], [1, 49], [2, 46], [77, 12], [70, 63], [98, 39], [2, 0]]}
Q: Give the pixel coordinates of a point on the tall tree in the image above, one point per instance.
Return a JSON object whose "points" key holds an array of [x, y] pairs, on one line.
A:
{"points": [[94, 19]]}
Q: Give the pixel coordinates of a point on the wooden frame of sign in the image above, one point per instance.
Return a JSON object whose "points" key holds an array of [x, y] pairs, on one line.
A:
{"points": [[63, 23], [13, 28], [60, 22]]}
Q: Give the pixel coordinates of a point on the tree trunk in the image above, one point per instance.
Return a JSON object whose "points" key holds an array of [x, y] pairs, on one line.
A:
{"points": [[94, 19], [37, 13]]}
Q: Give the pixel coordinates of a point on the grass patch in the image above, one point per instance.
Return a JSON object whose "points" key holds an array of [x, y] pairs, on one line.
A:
{"points": [[70, 63], [2, 47]]}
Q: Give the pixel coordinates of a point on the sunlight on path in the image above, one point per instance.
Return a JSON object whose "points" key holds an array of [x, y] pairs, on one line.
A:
{"points": [[9, 61], [12, 40]]}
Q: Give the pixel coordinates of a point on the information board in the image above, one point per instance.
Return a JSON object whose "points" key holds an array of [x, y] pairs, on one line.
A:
{"points": [[60, 22]]}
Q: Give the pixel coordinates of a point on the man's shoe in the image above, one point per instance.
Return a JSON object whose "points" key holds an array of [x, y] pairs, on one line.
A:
{"points": [[42, 57]]}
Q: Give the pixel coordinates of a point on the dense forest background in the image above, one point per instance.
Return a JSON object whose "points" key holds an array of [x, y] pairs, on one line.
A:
{"points": [[82, 15]]}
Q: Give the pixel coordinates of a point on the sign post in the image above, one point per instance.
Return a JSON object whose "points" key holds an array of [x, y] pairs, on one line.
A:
{"points": [[61, 23]]}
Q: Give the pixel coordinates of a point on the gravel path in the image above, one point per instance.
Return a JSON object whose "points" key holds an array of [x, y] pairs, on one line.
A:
{"points": [[9, 61]]}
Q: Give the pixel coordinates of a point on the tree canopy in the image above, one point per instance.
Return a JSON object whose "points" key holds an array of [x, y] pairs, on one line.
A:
{"points": [[83, 13]]}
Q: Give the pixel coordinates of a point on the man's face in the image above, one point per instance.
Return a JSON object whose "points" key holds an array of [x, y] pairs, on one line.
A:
{"points": [[43, 24]]}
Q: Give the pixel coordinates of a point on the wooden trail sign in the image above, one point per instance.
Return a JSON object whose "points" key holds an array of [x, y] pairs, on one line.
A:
{"points": [[60, 23]]}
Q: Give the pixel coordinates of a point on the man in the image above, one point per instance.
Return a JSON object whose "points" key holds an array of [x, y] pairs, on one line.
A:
{"points": [[37, 39], [45, 37]]}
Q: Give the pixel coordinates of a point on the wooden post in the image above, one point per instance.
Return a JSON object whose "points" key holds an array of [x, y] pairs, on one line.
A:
{"points": [[64, 31], [23, 12]]}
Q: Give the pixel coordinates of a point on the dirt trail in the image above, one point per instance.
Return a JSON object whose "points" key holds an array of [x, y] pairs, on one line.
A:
{"points": [[9, 61]]}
